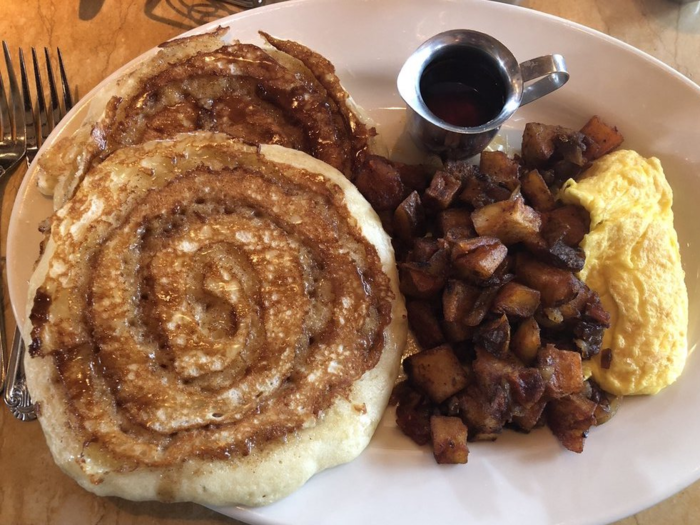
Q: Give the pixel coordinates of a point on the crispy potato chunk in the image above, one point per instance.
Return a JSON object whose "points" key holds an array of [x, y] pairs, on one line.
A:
{"points": [[449, 436], [494, 337], [569, 224], [561, 370], [500, 168], [413, 415], [535, 190], [409, 218], [455, 223], [437, 372], [442, 191], [516, 300], [556, 286], [380, 183], [526, 341], [570, 418], [424, 279], [600, 138], [424, 324], [477, 259], [484, 417], [510, 221]]}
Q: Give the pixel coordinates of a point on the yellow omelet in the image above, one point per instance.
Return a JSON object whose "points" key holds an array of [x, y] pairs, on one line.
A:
{"points": [[633, 262]]}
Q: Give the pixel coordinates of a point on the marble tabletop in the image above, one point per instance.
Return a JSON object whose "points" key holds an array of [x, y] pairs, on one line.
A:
{"points": [[99, 36]]}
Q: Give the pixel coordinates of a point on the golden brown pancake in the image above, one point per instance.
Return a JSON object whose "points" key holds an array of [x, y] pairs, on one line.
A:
{"points": [[287, 95], [212, 322]]}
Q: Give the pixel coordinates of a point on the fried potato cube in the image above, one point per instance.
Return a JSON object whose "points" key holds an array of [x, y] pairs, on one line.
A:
{"points": [[380, 183], [409, 218], [442, 191], [437, 372], [424, 324], [600, 138], [484, 417], [478, 258], [457, 332], [561, 370], [458, 300], [424, 248], [455, 220], [516, 300], [531, 417], [424, 279], [556, 286], [525, 341], [413, 415], [494, 337], [569, 224], [449, 436], [537, 193], [538, 143], [525, 385], [500, 168], [570, 419], [415, 177], [510, 221]]}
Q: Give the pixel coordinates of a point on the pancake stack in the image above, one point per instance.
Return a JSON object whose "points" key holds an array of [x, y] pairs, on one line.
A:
{"points": [[213, 318]]}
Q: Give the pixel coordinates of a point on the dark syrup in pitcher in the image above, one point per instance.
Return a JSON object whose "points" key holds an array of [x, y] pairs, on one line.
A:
{"points": [[463, 88]]}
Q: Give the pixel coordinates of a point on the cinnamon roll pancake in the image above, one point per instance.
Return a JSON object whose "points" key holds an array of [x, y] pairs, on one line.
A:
{"points": [[286, 95], [212, 321]]}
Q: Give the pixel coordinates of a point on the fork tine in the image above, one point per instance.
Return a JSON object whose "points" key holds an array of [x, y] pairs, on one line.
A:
{"points": [[18, 123], [67, 98], [5, 124], [42, 116], [55, 113], [30, 128]]}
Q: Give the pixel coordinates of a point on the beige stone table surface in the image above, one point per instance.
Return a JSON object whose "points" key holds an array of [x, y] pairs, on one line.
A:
{"points": [[98, 36]]}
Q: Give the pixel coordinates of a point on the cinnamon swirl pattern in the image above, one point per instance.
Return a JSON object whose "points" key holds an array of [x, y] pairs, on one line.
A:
{"points": [[203, 304], [286, 94]]}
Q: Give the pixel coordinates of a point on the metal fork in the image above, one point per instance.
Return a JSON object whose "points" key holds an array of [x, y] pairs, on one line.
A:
{"points": [[39, 125], [12, 154]]}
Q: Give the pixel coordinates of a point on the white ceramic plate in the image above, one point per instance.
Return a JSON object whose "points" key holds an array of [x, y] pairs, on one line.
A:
{"points": [[650, 449]]}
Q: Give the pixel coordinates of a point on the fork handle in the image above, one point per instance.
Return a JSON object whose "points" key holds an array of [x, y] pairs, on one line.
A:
{"points": [[16, 393]]}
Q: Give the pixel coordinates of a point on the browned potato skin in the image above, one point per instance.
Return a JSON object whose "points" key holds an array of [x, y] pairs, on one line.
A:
{"points": [[510, 221], [568, 223], [442, 192], [562, 371], [525, 341], [600, 138], [409, 218], [500, 168], [437, 372], [424, 324], [380, 183], [449, 436], [536, 191], [477, 259], [556, 286], [516, 300], [413, 415], [570, 418]]}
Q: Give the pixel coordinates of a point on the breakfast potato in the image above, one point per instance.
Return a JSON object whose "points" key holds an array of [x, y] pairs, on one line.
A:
{"points": [[413, 413], [424, 279], [442, 191], [484, 417], [455, 223], [561, 370], [526, 341], [380, 183], [536, 191], [437, 372], [600, 138], [449, 437], [568, 223], [459, 300], [494, 337], [500, 168], [570, 419], [530, 418], [425, 324], [510, 221], [516, 300], [556, 286], [409, 218], [477, 259]]}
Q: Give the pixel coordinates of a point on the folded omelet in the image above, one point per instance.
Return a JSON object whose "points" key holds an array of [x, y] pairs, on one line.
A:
{"points": [[633, 262]]}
